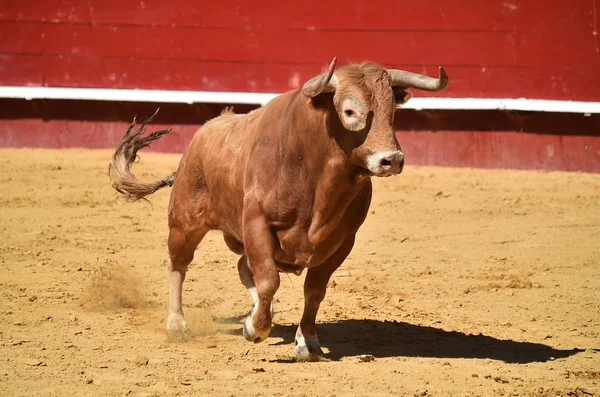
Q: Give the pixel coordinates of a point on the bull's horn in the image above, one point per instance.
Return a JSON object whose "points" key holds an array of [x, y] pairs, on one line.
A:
{"points": [[402, 78], [325, 82]]}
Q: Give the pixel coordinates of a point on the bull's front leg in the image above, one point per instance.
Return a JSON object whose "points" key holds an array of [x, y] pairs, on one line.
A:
{"points": [[259, 243], [315, 286], [247, 280]]}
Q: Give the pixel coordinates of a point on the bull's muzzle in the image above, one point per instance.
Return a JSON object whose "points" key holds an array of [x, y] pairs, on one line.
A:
{"points": [[386, 163]]}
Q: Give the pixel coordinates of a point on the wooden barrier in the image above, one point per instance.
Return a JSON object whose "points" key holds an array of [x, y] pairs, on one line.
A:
{"points": [[490, 49]]}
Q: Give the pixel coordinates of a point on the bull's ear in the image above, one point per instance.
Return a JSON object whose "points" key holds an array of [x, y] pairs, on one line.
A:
{"points": [[401, 96], [325, 82]]}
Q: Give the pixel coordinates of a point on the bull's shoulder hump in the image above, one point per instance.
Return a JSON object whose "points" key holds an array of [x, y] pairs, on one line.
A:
{"points": [[229, 119], [226, 119]]}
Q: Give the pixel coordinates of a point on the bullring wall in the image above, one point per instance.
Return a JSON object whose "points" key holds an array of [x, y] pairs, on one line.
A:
{"points": [[490, 49]]}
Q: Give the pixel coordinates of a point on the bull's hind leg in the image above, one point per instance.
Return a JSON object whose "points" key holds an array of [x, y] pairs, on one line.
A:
{"points": [[315, 286], [181, 251]]}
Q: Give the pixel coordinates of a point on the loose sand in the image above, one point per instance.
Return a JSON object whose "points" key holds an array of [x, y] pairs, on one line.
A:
{"points": [[462, 282]]}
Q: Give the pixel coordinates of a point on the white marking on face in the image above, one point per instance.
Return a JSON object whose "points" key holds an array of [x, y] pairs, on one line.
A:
{"points": [[385, 163]]}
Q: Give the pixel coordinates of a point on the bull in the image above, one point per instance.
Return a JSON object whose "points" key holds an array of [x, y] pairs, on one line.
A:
{"points": [[288, 185]]}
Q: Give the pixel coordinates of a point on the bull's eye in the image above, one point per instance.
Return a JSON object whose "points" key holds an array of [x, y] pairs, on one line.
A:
{"points": [[351, 112]]}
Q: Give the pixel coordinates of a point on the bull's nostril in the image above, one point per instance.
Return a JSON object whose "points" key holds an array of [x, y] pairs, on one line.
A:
{"points": [[385, 162]]}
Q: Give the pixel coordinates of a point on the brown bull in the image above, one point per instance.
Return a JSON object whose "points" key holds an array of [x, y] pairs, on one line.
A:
{"points": [[288, 184]]}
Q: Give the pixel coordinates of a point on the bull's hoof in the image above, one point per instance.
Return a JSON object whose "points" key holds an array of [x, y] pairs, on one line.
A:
{"points": [[303, 354], [306, 353], [177, 329], [251, 333], [308, 349]]}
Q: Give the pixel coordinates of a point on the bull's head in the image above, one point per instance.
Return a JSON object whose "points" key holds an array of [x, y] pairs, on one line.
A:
{"points": [[364, 99]]}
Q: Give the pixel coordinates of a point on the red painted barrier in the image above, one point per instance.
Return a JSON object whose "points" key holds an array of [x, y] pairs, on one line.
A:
{"points": [[488, 139], [490, 49], [496, 48]]}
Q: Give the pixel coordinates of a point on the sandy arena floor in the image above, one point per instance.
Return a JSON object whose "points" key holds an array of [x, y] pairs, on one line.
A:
{"points": [[462, 282]]}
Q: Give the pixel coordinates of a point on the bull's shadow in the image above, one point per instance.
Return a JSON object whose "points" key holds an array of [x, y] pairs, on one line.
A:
{"points": [[398, 339]]}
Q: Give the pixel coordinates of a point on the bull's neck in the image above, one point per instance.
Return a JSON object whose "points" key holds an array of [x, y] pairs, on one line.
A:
{"points": [[335, 181], [312, 137]]}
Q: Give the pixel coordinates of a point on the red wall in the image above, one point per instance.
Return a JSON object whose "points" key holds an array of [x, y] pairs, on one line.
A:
{"points": [[489, 139], [490, 48], [493, 48]]}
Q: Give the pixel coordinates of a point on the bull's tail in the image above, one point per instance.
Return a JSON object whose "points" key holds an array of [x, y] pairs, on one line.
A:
{"points": [[125, 155]]}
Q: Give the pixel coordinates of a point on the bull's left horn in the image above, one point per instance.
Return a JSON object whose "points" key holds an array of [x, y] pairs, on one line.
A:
{"points": [[325, 82], [402, 78]]}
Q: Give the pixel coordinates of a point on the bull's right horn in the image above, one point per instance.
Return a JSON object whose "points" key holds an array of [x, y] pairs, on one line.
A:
{"points": [[402, 78], [325, 82]]}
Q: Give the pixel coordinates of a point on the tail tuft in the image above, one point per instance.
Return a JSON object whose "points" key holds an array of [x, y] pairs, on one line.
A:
{"points": [[119, 170]]}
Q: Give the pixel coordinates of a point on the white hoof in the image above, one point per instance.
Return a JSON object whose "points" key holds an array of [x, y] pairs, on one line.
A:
{"points": [[307, 348], [177, 328], [250, 333]]}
